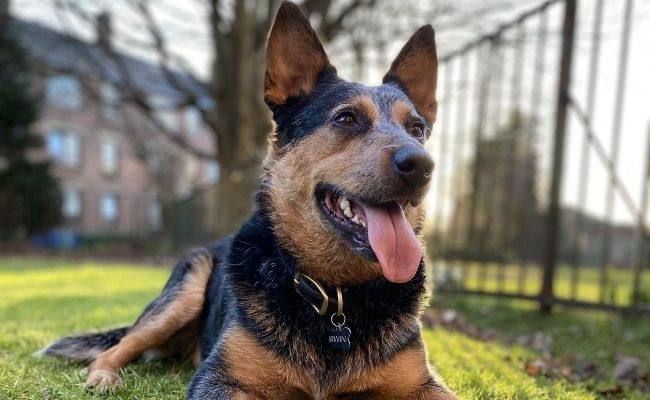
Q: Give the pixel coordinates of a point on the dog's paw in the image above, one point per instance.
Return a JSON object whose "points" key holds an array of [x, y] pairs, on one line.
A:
{"points": [[103, 381]]}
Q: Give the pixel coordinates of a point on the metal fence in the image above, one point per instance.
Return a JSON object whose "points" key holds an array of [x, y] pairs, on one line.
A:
{"points": [[529, 201]]}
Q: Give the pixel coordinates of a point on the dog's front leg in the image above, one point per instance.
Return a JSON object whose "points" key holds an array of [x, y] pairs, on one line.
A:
{"points": [[223, 391], [239, 367], [214, 382], [218, 390], [434, 391], [178, 307], [406, 376]]}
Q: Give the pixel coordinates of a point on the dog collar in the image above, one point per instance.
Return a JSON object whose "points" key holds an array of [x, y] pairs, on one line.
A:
{"points": [[315, 294]]}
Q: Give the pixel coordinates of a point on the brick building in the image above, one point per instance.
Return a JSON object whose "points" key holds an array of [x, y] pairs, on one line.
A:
{"points": [[116, 167]]}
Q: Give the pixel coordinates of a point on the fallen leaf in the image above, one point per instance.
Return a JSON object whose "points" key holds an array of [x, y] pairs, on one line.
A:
{"points": [[626, 368]]}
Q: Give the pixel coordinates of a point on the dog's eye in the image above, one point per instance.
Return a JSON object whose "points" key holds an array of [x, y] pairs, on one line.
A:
{"points": [[417, 130], [345, 118]]}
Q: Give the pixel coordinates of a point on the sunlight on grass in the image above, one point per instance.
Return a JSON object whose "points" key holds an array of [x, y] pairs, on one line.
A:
{"points": [[45, 299], [480, 370], [41, 303]]}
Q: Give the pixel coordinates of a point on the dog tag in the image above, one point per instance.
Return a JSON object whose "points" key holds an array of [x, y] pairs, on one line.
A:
{"points": [[339, 338]]}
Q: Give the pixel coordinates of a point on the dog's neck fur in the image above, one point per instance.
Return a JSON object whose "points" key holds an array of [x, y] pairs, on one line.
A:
{"points": [[262, 274]]}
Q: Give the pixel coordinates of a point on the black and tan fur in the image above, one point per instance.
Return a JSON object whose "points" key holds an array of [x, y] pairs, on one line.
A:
{"points": [[232, 306]]}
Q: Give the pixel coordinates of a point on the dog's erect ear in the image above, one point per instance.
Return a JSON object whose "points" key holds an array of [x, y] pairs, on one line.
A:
{"points": [[416, 70], [294, 56]]}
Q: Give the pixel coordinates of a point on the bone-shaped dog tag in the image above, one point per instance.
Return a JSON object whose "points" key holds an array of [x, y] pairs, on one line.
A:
{"points": [[339, 338]]}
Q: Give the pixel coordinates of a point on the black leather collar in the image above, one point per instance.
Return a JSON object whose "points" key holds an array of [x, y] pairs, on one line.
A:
{"points": [[316, 295]]}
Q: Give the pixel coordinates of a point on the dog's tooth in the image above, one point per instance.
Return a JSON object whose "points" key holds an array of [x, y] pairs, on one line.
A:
{"points": [[345, 207], [356, 220], [363, 223]]}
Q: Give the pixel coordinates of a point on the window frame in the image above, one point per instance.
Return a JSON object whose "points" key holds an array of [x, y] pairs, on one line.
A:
{"points": [[70, 148], [102, 213], [104, 141], [80, 207], [109, 101], [66, 98]]}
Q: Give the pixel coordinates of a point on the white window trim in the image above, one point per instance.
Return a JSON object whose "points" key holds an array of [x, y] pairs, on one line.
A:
{"points": [[79, 207], [102, 212], [154, 214], [66, 159], [105, 168]]}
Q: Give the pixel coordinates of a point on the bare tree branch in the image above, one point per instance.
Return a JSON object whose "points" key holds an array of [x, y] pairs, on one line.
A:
{"points": [[126, 84]]}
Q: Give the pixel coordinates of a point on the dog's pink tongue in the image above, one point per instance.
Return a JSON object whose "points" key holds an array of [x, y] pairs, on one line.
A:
{"points": [[393, 241]]}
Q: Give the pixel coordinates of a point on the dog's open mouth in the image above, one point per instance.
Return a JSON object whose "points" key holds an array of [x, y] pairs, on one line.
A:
{"points": [[379, 232]]}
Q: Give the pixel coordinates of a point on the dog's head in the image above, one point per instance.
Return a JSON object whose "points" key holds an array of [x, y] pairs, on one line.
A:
{"points": [[346, 171]]}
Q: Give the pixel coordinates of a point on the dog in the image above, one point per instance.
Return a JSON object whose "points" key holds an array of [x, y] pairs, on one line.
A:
{"points": [[318, 296]]}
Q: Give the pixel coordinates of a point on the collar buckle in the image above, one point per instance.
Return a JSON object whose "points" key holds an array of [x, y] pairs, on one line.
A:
{"points": [[309, 290]]}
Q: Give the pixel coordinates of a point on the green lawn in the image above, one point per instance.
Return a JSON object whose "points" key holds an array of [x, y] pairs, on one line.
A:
{"points": [[578, 337], [41, 300]]}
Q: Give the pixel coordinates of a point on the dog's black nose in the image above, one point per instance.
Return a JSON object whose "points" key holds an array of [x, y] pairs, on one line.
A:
{"points": [[414, 165]]}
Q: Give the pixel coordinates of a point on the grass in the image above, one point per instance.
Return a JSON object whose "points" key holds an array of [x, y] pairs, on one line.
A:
{"points": [[577, 336], [480, 370], [42, 300]]}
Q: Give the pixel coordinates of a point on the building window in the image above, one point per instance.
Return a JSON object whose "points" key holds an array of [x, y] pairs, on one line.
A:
{"points": [[154, 214], [108, 149], [64, 91], [110, 101], [63, 148], [71, 204], [165, 112], [193, 120], [109, 207], [213, 171]]}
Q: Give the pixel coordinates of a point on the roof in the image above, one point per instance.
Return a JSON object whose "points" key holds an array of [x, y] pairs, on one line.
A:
{"points": [[64, 53]]}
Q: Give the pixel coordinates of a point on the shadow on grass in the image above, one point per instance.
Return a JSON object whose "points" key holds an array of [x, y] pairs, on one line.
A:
{"points": [[574, 335]]}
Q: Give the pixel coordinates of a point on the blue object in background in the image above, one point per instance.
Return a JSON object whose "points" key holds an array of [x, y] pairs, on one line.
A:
{"points": [[57, 239]]}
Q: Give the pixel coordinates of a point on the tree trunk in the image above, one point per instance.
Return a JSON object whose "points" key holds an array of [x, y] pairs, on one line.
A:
{"points": [[242, 119], [235, 199]]}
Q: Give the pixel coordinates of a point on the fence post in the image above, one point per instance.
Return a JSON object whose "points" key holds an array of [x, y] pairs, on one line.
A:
{"points": [[641, 235], [614, 152], [553, 217], [483, 103]]}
